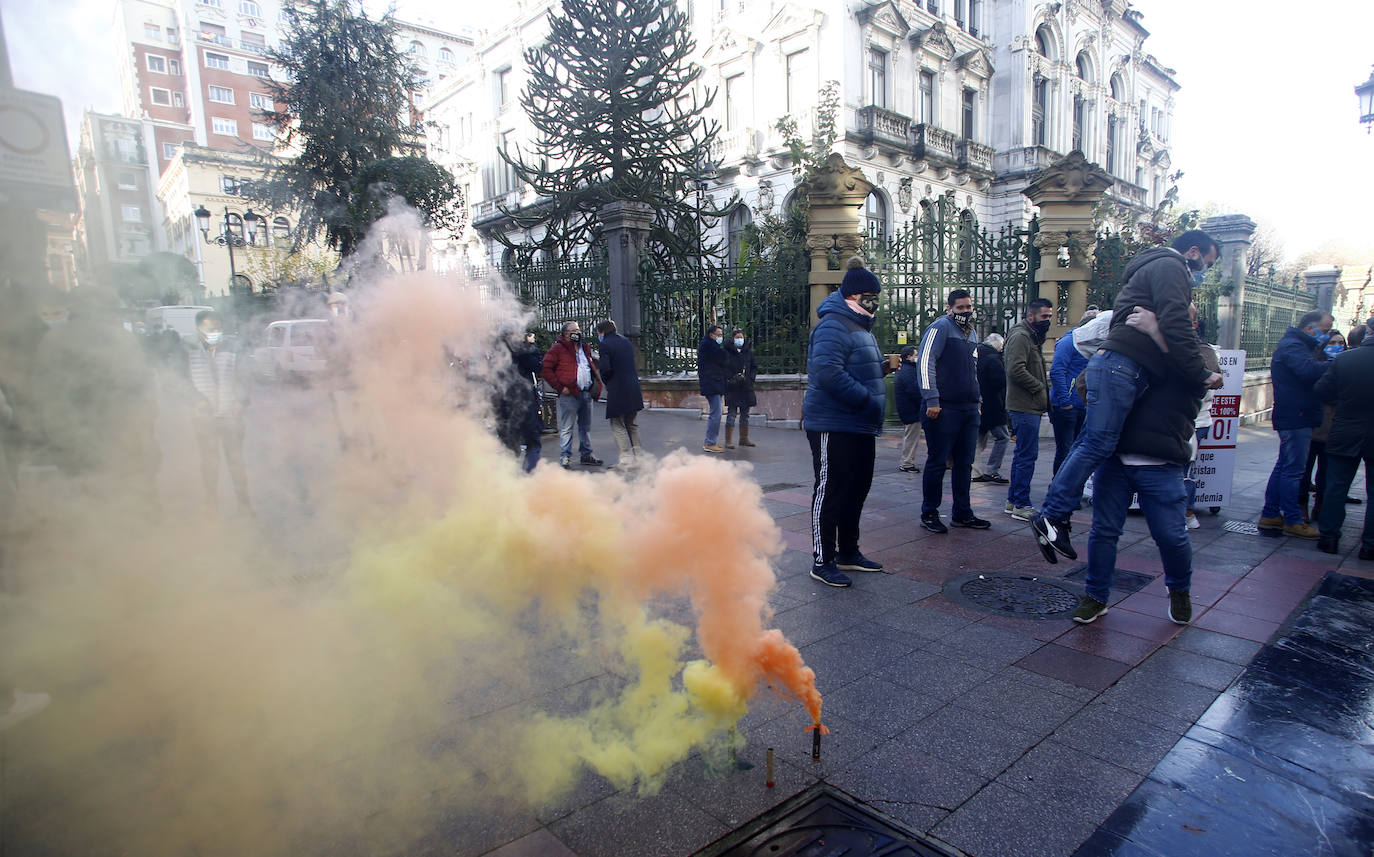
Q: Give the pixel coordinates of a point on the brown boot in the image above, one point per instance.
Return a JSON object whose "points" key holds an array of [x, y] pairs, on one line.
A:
{"points": [[729, 437], [744, 435]]}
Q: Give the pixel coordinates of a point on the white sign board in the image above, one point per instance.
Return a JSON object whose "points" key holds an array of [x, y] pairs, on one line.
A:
{"points": [[1216, 456], [33, 148]]}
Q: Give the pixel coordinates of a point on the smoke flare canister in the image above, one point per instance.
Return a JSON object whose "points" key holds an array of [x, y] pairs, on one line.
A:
{"points": [[769, 781], [816, 743]]}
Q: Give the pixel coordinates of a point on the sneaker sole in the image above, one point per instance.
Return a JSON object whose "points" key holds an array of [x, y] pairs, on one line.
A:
{"points": [[1046, 549], [815, 576], [937, 531], [969, 525], [1046, 545], [857, 568], [1187, 621], [1092, 619]]}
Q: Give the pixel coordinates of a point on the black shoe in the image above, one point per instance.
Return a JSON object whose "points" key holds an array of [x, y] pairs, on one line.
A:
{"points": [[912, 469], [1054, 535], [982, 477], [933, 523], [973, 523], [591, 461], [1354, 501], [828, 574], [1000, 480], [856, 562], [1329, 545], [1366, 553]]}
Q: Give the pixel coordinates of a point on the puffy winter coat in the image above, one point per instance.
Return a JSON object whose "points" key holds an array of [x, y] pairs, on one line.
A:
{"points": [[713, 367], [844, 372], [992, 381], [1065, 368], [1295, 370], [906, 387], [739, 387]]}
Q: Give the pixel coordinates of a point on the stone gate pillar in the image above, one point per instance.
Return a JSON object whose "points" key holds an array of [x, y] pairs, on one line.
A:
{"points": [[1232, 232], [625, 226], [1322, 279], [835, 194], [1066, 193]]}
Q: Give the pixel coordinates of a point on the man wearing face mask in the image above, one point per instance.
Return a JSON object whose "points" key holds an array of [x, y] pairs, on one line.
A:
{"points": [[1028, 398], [949, 386], [713, 368], [220, 390], [1295, 371], [1161, 280], [843, 415], [570, 369]]}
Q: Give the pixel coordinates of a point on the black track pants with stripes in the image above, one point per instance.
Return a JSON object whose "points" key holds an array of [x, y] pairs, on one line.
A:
{"points": [[843, 462]]}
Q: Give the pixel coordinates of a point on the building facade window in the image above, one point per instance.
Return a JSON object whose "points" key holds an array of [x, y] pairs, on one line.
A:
{"points": [[875, 217], [446, 56], [739, 219], [1083, 67], [128, 180], [961, 14], [1044, 42], [258, 69], [417, 50], [925, 110], [221, 94], [169, 151], [161, 97], [877, 77], [229, 185], [1118, 88], [969, 104], [227, 127], [975, 17], [734, 91], [501, 88], [214, 4], [258, 101], [156, 64], [177, 100], [174, 67], [798, 85], [1111, 145], [1080, 111], [250, 8], [1039, 111], [131, 213], [152, 31], [219, 61], [255, 42], [263, 132]]}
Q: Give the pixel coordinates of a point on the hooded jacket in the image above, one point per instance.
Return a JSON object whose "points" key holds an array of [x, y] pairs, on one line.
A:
{"points": [[1028, 387], [844, 372], [1065, 368], [992, 381], [1159, 280], [1295, 370]]}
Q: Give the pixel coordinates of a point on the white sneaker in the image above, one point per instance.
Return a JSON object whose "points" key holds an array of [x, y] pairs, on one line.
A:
{"points": [[1193, 523], [25, 706]]}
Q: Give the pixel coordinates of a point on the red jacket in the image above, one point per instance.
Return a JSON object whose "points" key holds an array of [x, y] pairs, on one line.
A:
{"points": [[560, 368]]}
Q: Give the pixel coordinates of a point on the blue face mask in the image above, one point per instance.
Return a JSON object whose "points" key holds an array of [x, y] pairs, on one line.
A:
{"points": [[1333, 350], [1197, 277], [600, 337], [1321, 337]]}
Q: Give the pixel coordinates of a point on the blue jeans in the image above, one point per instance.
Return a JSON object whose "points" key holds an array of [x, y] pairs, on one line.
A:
{"points": [[1000, 436], [1115, 381], [1163, 502], [1067, 423], [575, 411], [713, 420], [1026, 427], [1285, 480], [952, 435]]}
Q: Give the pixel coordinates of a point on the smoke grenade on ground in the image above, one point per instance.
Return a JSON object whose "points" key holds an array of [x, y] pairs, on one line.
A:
{"points": [[410, 627]]}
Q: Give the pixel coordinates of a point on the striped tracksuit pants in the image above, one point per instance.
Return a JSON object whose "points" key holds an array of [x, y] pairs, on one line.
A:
{"points": [[843, 462]]}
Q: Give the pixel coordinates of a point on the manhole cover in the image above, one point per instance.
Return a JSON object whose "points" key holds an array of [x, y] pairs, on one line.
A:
{"points": [[1125, 581], [1244, 528], [779, 486], [1024, 596], [821, 821]]}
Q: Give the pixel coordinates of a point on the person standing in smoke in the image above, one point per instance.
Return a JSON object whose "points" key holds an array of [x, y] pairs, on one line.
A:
{"points": [[569, 369], [219, 392], [843, 415], [519, 422], [624, 398]]}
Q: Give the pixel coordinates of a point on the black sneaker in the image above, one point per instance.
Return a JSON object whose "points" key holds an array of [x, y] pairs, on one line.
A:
{"points": [[1326, 545], [973, 523], [1180, 607], [564, 461], [1054, 535], [1001, 480], [933, 523], [592, 461], [1089, 609], [982, 477], [828, 574], [857, 562], [912, 469]]}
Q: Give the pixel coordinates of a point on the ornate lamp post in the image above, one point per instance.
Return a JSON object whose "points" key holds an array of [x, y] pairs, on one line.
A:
{"points": [[228, 237], [1365, 91]]}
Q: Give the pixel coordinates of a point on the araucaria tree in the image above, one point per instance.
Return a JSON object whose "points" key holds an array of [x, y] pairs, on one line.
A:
{"points": [[344, 109], [618, 115]]}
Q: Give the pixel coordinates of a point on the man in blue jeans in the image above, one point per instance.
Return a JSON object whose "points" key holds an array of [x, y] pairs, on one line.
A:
{"points": [[1160, 279], [1295, 371], [1028, 397], [1067, 410], [569, 369], [713, 368]]}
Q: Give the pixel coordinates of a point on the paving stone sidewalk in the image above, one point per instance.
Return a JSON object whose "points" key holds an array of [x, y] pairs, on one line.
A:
{"points": [[999, 736]]}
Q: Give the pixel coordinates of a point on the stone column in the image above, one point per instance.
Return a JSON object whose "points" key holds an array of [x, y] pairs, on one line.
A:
{"points": [[835, 194], [1232, 232], [625, 225], [1322, 279], [1066, 194]]}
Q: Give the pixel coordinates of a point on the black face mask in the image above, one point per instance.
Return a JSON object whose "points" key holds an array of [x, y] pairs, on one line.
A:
{"points": [[869, 303], [575, 337], [1041, 327], [964, 318]]}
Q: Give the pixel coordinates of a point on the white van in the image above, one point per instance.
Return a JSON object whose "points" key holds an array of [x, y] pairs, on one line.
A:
{"points": [[181, 319], [292, 349]]}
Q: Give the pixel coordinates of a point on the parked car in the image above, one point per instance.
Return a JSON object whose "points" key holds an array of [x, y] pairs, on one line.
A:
{"points": [[292, 350]]}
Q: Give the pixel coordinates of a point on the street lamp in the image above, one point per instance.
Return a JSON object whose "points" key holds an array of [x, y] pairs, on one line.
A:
{"points": [[228, 237], [1365, 91]]}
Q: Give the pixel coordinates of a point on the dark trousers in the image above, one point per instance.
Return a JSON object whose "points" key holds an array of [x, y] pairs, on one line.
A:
{"points": [[1340, 472], [951, 436], [843, 463], [1315, 487], [1067, 423]]}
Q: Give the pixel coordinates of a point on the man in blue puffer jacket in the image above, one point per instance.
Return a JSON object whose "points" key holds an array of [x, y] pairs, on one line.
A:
{"points": [[843, 414], [1295, 371]]}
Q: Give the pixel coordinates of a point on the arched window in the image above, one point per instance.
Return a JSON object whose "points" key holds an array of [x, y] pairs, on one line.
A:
{"points": [[234, 225], [1080, 121], [875, 218], [1111, 144], [1040, 97], [1084, 67], [1044, 42], [1118, 88], [446, 55], [967, 229], [739, 218], [417, 50]]}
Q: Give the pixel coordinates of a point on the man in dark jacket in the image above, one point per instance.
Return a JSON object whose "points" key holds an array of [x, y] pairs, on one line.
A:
{"points": [[1066, 408], [1295, 371], [843, 415], [739, 388], [624, 399], [992, 413], [1161, 280], [949, 386], [1349, 384], [906, 389], [1028, 398], [518, 419], [713, 367], [570, 370]]}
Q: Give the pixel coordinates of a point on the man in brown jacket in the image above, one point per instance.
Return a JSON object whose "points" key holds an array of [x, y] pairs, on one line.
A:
{"points": [[1028, 399], [570, 370]]}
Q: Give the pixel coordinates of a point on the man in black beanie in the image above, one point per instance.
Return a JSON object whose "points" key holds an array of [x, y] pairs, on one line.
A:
{"points": [[843, 413]]}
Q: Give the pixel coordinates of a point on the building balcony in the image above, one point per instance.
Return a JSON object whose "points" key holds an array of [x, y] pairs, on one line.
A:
{"points": [[1025, 159], [487, 210], [249, 47], [974, 156], [1131, 194], [931, 143], [215, 39], [736, 145], [878, 125]]}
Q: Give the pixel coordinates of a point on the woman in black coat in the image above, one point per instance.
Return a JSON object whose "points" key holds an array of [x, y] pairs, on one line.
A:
{"points": [[739, 388], [992, 419], [624, 398]]}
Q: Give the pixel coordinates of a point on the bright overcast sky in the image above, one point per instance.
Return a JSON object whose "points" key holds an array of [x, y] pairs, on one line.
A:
{"points": [[1266, 123]]}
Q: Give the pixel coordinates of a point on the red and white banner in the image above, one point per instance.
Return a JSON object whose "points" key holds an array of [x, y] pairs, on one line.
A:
{"points": [[1216, 457]]}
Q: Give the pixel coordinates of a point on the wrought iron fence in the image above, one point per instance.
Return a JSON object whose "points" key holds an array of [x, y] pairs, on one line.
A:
{"points": [[1269, 308], [1110, 257], [557, 291], [767, 299]]}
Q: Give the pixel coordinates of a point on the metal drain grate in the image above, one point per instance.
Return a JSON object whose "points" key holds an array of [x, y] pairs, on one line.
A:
{"points": [[822, 820], [1023, 596], [1125, 581], [1244, 528]]}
